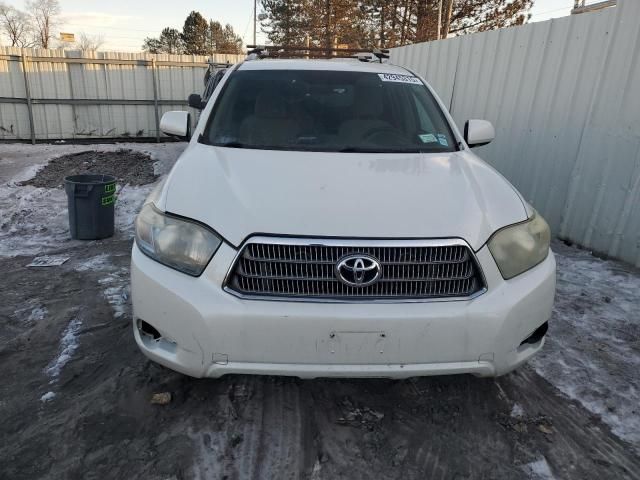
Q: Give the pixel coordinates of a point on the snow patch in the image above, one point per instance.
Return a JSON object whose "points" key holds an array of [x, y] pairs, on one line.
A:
{"points": [[117, 291], [28, 173], [517, 411], [33, 220], [315, 472], [68, 346], [99, 262], [47, 397], [592, 352], [117, 298], [128, 204], [37, 314], [539, 470]]}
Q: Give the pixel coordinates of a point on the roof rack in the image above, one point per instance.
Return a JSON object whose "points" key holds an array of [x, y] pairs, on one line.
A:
{"points": [[213, 64], [288, 51]]}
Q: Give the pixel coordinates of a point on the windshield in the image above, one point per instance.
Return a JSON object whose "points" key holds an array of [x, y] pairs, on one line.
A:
{"points": [[328, 111]]}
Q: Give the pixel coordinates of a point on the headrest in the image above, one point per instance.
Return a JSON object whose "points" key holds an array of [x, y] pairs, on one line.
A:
{"points": [[270, 104], [368, 101]]}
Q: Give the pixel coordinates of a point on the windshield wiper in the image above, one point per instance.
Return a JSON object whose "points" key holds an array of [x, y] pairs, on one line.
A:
{"points": [[355, 149], [231, 145]]}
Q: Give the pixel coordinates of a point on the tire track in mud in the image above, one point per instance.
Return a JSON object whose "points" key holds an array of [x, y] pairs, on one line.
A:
{"points": [[588, 446], [461, 427], [250, 428], [260, 431], [281, 430], [272, 434]]}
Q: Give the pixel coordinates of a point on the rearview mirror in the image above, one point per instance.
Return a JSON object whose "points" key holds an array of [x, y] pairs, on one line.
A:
{"points": [[195, 101], [176, 124], [478, 133]]}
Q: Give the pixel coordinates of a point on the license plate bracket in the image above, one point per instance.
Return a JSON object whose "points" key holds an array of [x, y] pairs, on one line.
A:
{"points": [[352, 345]]}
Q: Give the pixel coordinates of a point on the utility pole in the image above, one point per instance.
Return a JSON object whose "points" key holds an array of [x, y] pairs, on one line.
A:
{"points": [[439, 20], [255, 20], [581, 7]]}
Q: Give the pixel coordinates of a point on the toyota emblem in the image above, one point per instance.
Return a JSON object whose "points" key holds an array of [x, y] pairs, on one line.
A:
{"points": [[358, 270]]}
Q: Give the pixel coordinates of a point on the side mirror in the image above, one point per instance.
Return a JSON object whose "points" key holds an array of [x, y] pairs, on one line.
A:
{"points": [[176, 124], [195, 101], [478, 133]]}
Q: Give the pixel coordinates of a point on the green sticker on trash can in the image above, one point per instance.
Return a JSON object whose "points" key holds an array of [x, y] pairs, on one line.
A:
{"points": [[110, 188], [108, 200]]}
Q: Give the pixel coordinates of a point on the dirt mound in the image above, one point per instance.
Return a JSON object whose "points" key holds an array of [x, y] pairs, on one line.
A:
{"points": [[128, 166]]}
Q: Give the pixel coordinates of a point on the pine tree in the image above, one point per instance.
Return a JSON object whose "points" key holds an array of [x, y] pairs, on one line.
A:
{"points": [[198, 37], [386, 23], [287, 21], [223, 39], [468, 16], [170, 41], [195, 34]]}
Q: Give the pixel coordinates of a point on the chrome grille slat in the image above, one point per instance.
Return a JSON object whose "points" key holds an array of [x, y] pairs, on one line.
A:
{"points": [[297, 269]]}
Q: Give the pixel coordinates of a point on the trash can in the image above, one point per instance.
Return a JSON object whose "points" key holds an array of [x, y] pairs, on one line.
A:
{"points": [[91, 199]]}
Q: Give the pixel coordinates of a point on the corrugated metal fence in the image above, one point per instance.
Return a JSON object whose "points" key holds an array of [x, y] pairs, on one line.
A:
{"points": [[564, 96], [56, 94]]}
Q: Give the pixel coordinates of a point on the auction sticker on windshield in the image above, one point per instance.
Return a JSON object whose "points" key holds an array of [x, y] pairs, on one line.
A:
{"points": [[394, 77]]}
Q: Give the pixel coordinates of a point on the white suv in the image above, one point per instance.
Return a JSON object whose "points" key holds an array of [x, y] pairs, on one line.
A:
{"points": [[329, 219]]}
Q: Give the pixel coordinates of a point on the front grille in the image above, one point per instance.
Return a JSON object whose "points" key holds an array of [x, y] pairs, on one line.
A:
{"points": [[309, 270]]}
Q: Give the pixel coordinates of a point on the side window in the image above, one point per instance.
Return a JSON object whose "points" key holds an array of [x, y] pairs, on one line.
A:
{"points": [[212, 83]]}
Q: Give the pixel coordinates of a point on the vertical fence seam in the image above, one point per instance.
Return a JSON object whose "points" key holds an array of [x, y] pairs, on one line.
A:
{"points": [[27, 92], [154, 75]]}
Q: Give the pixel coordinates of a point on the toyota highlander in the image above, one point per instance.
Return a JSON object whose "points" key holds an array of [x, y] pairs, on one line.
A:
{"points": [[328, 219]]}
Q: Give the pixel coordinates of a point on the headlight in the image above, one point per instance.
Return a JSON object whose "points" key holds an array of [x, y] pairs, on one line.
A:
{"points": [[176, 243], [520, 247]]}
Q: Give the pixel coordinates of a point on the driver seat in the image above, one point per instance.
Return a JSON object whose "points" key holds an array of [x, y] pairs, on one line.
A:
{"points": [[368, 110], [271, 122]]}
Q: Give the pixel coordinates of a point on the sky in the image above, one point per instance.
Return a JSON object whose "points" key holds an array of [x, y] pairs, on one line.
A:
{"points": [[125, 23]]}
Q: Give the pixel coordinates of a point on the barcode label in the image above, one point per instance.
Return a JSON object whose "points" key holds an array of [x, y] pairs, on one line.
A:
{"points": [[394, 77]]}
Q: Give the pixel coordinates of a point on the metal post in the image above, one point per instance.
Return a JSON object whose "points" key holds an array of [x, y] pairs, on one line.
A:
{"points": [[440, 20], [255, 21], [28, 94], [73, 107], [155, 98]]}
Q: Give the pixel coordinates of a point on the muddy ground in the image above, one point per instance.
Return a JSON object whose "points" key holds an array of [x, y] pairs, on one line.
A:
{"points": [[75, 396]]}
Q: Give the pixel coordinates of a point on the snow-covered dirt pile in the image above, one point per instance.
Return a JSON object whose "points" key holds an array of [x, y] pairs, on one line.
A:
{"points": [[33, 219], [129, 167]]}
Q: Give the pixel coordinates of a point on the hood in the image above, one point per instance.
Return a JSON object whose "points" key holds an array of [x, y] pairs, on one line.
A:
{"points": [[240, 192]]}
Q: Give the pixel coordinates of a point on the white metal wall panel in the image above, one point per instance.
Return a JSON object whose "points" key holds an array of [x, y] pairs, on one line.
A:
{"points": [[14, 118], [603, 209], [64, 81], [564, 98], [439, 59]]}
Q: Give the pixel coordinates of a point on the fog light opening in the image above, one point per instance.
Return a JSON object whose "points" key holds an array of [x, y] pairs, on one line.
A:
{"points": [[536, 336], [148, 330]]}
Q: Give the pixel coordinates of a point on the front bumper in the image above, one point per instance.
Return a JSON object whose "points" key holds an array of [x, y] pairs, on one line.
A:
{"points": [[207, 332]]}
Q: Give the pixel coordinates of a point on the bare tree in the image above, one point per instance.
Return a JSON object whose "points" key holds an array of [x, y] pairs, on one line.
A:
{"points": [[89, 42], [44, 16], [15, 25]]}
